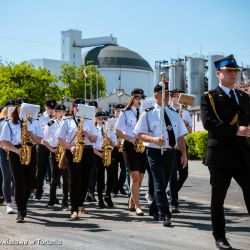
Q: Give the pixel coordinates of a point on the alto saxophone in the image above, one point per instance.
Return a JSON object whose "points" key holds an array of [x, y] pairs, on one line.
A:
{"points": [[120, 145], [139, 146], [107, 150], [61, 157], [79, 143], [26, 145]]}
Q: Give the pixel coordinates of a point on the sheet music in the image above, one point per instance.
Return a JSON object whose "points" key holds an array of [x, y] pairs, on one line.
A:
{"points": [[88, 112]]}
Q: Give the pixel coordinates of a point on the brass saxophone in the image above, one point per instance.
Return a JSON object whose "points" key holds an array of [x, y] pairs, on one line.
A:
{"points": [[120, 145], [26, 145], [61, 157], [107, 150], [139, 146], [79, 142]]}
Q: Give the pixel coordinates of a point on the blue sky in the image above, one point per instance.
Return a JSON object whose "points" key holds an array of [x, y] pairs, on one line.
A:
{"points": [[156, 29]]}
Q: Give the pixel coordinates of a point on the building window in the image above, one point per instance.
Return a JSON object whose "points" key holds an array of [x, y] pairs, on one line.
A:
{"points": [[74, 56], [62, 56], [198, 117], [63, 42], [111, 108]]}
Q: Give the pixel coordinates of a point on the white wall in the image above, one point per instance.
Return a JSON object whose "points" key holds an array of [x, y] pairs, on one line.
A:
{"points": [[130, 79]]}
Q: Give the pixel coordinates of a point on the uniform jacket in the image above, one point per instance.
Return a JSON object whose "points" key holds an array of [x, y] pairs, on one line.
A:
{"points": [[224, 148]]}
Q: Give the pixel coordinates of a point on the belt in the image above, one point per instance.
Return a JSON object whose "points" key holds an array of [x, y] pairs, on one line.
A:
{"points": [[164, 149], [88, 146]]}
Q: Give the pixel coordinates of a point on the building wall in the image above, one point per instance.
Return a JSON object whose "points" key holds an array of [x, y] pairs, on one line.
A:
{"points": [[129, 79], [196, 119], [108, 102]]}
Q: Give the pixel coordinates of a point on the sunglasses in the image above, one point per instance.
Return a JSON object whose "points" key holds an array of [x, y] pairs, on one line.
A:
{"points": [[139, 97], [102, 118]]}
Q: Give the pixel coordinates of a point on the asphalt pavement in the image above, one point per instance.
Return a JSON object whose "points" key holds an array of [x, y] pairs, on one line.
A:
{"points": [[117, 228]]}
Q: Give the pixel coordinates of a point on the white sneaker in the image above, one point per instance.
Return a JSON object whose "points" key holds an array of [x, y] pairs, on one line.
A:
{"points": [[9, 209], [148, 198]]}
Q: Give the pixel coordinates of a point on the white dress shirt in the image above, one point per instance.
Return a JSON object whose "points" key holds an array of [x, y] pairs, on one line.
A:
{"points": [[12, 132], [68, 129], [50, 132], [151, 123], [126, 122]]}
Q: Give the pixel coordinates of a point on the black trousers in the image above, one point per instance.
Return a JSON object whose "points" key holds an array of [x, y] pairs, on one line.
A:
{"points": [[177, 179], [220, 179], [41, 167], [118, 160], [161, 167], [23, 176], [1, 184], [79, 177], [101, 176], [56, 173]]}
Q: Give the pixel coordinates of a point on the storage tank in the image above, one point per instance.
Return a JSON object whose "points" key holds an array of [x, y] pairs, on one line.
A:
{"points": [[246, 74], [195, 76], [160, 66], [176, 76], [212, 78]]}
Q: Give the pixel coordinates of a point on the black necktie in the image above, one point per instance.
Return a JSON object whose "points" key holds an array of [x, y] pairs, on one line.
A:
{"points": [[137, 114], [171, 136], [233, 99], [102, 131]]}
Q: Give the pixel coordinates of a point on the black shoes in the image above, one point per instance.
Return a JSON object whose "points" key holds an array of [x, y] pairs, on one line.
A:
{"points": [[122, 191], [166, 222], [20, 216], [223, 244], [175, 210], [109, 201], [65, 206], [101, 204]]}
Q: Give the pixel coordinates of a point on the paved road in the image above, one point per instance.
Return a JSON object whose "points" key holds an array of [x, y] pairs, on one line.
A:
{"points": [[119, 229]]}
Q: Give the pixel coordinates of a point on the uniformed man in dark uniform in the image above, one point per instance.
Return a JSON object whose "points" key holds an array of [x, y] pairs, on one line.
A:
{"points": [[42, 152], [225, 113]]}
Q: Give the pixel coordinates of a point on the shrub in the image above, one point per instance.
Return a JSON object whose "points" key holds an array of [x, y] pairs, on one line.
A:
{"points": [[197, 145]]}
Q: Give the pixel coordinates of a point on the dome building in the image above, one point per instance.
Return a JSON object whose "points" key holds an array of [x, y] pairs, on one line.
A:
{"points": [[121, 67]]}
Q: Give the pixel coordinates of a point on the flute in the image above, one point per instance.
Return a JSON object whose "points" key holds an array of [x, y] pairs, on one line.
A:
{"points": [[163, 77]]}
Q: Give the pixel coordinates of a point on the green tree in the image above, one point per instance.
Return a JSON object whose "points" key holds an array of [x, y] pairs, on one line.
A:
{"points": [[74, 81], [23, 80]]}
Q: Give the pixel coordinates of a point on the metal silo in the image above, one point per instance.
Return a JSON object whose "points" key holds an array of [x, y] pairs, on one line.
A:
{"points": [[246, 74], [196, 76], [212, 78], [160, 66], [176, 75]]}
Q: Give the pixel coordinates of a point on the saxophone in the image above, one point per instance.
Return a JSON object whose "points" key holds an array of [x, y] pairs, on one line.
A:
{"points": [[139, 146], [120, 145], [107, 150], [61, 157], [79, 142], [26, 145]]}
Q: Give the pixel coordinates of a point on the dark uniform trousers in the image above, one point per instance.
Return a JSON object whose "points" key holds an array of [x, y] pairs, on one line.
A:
{"points": [[24, 177], [161, 167], [118, 160], [7, 177], [101, 176], [1, 184], [228, 155], [56, 173], [220, 179], [79, 177], [177, 179], [41, 168]]}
